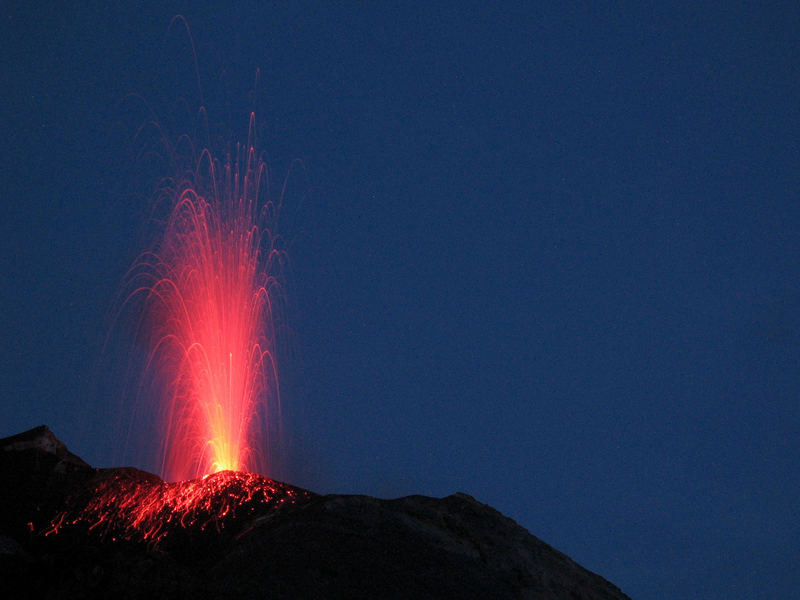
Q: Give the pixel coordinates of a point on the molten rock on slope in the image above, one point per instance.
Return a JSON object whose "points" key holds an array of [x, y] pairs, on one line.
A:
{"points": [[68, 530]]}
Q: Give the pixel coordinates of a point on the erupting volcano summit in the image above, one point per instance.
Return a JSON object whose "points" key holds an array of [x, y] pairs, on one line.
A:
{"points": [[70, 531]]}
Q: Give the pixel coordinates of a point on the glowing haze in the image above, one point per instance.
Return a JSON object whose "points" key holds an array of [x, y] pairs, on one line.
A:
{"points": [[211, 296]]}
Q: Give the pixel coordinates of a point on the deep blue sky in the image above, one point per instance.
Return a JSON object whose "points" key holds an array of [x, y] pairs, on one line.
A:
{"points": [[549, 257]]}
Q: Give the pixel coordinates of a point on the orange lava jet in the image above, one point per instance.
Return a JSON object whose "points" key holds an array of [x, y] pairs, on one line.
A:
{"points": [[212, 296]]}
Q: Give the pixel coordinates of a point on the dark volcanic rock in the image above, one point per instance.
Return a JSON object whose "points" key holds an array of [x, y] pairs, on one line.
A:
{"points": [[37, 473], [413, 547], [70, 531]]}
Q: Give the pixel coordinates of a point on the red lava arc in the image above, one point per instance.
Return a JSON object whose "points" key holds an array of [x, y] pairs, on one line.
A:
{"points": [[212, 296]]}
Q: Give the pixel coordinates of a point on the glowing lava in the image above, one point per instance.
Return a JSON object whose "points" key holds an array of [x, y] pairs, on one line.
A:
{"points": [[211, 299], [131, 505]]}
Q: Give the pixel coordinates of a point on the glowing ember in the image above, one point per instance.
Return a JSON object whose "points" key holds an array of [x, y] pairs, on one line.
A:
{"points": [[127, 504], [211, 296]]}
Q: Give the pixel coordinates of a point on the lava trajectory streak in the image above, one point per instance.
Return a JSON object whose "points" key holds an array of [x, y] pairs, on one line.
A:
{"points": [[212, 298]]}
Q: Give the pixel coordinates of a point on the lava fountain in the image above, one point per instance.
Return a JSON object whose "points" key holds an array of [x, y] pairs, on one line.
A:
{"points": [[211, 299]]}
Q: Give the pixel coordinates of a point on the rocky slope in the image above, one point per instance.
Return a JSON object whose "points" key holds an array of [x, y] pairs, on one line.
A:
{"points": [[70, 531]]}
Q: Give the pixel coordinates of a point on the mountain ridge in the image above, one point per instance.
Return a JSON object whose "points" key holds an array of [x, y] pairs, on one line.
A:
{"points": [[68, 530]]}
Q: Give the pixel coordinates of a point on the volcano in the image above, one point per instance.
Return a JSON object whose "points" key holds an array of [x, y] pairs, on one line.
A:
{"points": [[68, 530]]}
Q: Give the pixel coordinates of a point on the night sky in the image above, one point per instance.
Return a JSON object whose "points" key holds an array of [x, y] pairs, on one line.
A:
{"points": [[545, 256]]}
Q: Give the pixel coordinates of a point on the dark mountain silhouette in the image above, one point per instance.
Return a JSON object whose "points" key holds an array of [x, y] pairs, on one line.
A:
{"points": [[68, 530]]}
